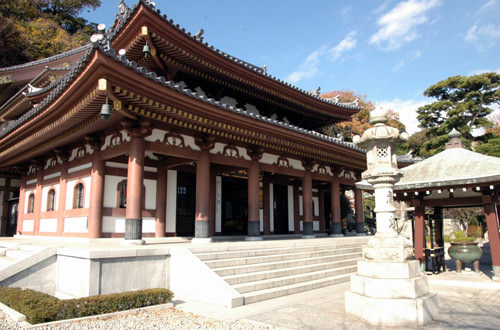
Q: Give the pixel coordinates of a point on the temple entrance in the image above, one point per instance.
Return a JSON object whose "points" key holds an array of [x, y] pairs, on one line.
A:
{"points": [[280, 193], [328, 210], [12, 216], [234, 206], [186, 198]]}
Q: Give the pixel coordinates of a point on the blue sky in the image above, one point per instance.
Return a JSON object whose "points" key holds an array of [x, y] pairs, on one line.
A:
{"points": [[390, 51]]}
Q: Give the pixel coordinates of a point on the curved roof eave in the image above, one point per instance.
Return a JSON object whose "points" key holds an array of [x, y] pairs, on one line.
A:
{"points": [[120, 24]]}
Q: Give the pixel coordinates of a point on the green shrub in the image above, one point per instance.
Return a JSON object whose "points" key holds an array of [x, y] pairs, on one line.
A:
{"points": [[40, 307], [459, 236]]}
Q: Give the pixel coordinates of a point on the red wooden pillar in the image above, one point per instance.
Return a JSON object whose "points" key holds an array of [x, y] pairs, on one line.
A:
{"points": [[419, 240], [202, 224], [161, 202], [253, 200], [61, 207], [21, 207], [96, 195], [307, 202], [493, 234], [358, 209], [135, 178], [335, 200], [37, 209]]}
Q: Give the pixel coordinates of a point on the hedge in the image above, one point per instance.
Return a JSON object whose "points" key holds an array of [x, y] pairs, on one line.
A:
{"points": [[40, 307]]}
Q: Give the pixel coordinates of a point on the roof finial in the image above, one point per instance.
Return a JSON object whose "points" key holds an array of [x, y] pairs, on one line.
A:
{"points": [[454, 139], [199, 35]]}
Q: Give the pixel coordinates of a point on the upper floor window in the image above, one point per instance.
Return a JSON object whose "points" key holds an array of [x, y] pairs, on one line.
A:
{"points": [[78, 196], [51, 197], [31, 203]]}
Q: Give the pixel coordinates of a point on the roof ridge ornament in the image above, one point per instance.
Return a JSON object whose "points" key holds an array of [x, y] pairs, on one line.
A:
{"points": [[124, 10]]}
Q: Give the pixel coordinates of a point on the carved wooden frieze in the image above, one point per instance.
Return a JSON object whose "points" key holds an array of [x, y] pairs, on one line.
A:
{"points": [[174, 139]]}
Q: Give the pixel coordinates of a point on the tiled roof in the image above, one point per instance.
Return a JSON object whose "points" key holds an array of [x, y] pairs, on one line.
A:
{"points": [[70, 76], [119, 24]]}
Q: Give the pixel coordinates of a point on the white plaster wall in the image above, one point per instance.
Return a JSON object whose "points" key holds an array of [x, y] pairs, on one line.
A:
{"points": [[171, 201], [71, 189], [271, 209], [261, 221], [290, 209], [26, 199], [218, 204], [150, 194], [75, 225], [315, 225], [269, 159], [190, 142], [296, 164], [301, 209], [28, 225], [117, 165], [156, 135], [117, 225], [48, 225], [79, 168], [2, 182], [51, 176], [33, 181], [45, 195], [316, 206], [110, 184]]}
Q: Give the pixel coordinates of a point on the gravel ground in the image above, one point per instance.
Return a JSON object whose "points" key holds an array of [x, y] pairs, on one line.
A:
{"points": [[166, 318]]}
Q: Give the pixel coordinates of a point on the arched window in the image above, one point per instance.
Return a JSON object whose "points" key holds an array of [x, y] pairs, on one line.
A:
{"points": [[31, 203], [122, 195], [78, 196], [51, 198]]}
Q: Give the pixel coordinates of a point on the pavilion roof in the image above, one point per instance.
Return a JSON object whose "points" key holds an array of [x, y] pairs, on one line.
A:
{"points": [[451, 167]]}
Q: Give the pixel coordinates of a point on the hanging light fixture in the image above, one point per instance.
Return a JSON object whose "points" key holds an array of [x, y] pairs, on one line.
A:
{"points": [[146, 51], [105, 110]]}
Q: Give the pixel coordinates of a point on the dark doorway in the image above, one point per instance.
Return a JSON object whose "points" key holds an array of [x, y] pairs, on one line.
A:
{"points": [[186, 198], [280, 193], [12, 207], [234, 206]]}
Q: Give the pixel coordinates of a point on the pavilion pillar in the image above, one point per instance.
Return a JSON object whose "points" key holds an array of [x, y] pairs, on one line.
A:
{"points": [[336, 229], [493, 232], [307, 203], [202, 222], [135, 179], [253, 201], [438, 226], [161, 202], [96, 195], [419, 231], [358, 209]]}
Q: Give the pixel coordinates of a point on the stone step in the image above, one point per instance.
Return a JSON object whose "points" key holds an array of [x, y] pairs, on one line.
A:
{"points": [[276, 273], [266, 294], [299, 243], [251, 268], [291, 255], [6, 261], [206, 256], [18, 254], [292, 279]]}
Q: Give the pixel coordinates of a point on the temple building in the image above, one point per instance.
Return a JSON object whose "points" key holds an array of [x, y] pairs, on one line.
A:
{"points": [[148, 131]]}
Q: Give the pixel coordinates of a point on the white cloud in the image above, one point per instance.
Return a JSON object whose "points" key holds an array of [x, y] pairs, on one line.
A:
{"points": [[410, 57], [483, 36], [348, 43], [308, 68], [481, 71], [407, 110], [399, 25]]}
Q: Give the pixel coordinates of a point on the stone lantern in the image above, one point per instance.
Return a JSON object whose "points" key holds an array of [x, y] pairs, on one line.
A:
{"points": [[389, 287]]}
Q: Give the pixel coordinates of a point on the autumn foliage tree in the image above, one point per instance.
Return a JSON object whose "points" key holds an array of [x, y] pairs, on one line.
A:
{"points": [[360, 121], [35, 29]]}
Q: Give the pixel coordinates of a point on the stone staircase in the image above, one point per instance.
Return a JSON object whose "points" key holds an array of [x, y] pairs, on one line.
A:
{"points": [[265, 270], [15, 257]]}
